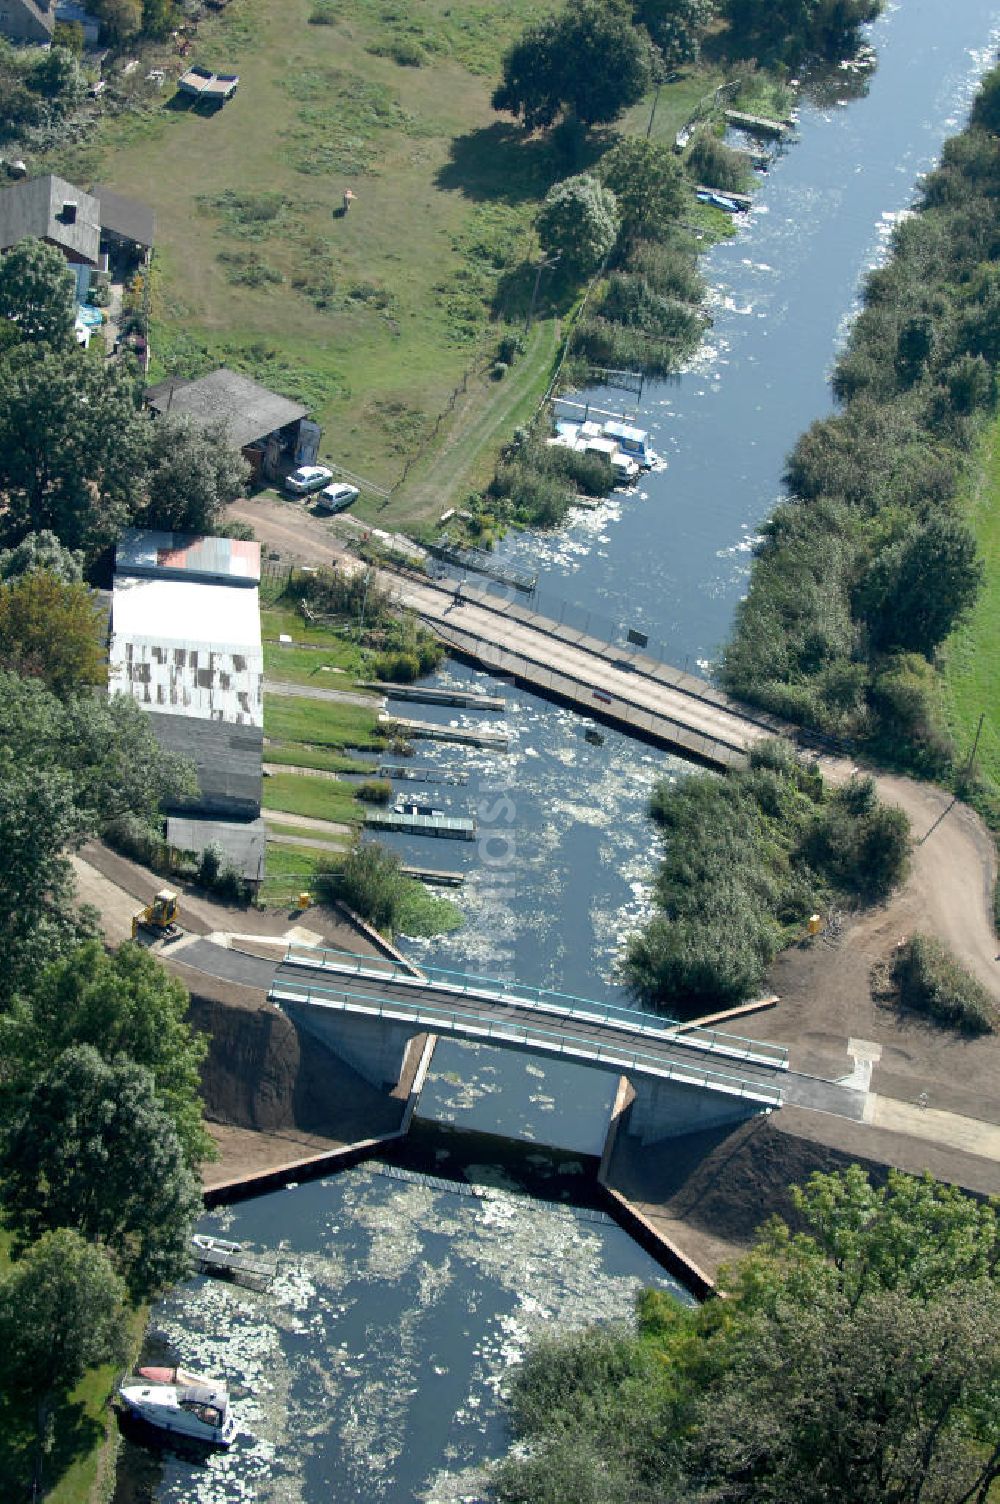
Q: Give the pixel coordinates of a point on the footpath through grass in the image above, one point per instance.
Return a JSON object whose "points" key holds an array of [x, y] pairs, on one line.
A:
{"points": [[972, 661]]}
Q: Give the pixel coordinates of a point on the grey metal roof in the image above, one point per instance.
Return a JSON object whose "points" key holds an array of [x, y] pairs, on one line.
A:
{"points": [[249, 410], [189, 556], [36, 207], [40, 15], [244, 843], [227, 760], [125, 217]]}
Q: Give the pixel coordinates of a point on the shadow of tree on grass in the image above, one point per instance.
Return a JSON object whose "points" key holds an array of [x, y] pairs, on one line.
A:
{"points": [[502, 162]]}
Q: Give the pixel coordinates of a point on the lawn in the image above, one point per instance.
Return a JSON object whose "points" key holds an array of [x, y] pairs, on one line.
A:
{"points": [[972, 660], [318, 798], [324, 723], [289, 871], [305, 755], [370, 318], [379, 320]]}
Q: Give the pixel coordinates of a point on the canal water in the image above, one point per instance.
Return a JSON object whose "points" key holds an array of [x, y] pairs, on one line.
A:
{"points": [[371, 1369]]}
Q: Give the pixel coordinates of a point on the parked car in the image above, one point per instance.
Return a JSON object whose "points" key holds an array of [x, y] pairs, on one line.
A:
{"points": [[307, 478], [335, 498]]}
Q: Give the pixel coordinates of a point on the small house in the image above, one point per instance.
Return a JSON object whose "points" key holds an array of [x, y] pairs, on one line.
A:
{"points": [[29, 21], [267, 427]]}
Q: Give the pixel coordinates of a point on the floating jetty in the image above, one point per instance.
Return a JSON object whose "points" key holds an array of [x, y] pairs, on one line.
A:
{"points": [[435, 876], [756, 125], [448, 827], [414, 774], [472, 699], [242, 1268], [461, 734]]}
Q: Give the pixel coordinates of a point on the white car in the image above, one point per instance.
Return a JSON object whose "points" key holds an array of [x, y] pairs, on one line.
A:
{"points": [[335, 498], [307, 478]]}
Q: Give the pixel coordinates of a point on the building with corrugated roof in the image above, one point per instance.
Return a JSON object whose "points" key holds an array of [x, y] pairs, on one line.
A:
{"points": [[185, 644]]}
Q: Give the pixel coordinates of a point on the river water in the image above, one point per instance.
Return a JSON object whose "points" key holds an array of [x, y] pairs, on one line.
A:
{"points": [[371, 1369]]}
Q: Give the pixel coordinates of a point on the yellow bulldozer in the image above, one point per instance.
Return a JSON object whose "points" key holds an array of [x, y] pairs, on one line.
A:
{"points": [[158, 917]]}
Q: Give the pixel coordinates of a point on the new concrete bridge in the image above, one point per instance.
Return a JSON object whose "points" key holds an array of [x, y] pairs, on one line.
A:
{"points": [[617, 684], [684, 1078]]}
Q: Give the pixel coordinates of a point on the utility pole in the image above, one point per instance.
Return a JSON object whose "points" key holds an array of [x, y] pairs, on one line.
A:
{"points": [[975, 744], [652, 113], [543, 265]]}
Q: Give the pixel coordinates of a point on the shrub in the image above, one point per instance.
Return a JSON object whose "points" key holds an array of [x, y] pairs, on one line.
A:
{"points": [[932, 982], [397, 668], [375, 791], [369, 880], [715, 164], [323, 13], [498, 370], [510, 348]]}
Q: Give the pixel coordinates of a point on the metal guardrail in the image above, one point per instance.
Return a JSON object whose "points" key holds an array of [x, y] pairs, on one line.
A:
{"points": [[471, 1026], [544, 999]]}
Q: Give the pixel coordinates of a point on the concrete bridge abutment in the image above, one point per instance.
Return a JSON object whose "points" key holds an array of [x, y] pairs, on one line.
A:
{"points": [[374, 1047], [664, 1109]]}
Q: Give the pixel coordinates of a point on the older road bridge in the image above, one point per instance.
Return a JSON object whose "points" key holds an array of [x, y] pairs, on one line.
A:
{"points": [[617, 684]]}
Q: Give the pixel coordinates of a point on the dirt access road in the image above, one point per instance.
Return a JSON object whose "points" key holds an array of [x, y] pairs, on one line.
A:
{"points": [[950, 888]]}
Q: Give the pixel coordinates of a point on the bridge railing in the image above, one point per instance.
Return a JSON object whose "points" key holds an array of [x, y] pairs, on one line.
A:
{"points": [[441, 1019], [545, 999]]}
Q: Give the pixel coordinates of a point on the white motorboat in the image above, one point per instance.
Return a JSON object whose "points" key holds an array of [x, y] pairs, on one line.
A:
{"points": [[198, 1411], [207, 1244]]}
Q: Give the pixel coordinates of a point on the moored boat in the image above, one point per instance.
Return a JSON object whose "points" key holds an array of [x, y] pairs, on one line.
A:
{"points": [[208, 1244], [198, 1411]]}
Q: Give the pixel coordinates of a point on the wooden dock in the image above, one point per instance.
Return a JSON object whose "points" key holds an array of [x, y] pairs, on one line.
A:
{"points": [[437, 877], [243, 1268], [470, 699], [756, 125], [412, 773], [446, 827], [460, 734]]}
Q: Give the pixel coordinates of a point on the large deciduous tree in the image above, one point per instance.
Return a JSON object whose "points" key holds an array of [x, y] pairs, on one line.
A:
{"points": [[579, 223], [38, 292], [123, 1004], [41, 551], [67, 769], [63, 1310], [919, 587], [676, 26], [92, 1148], [72, 447], [588, 63], [789, 30], [52, 630], [194, 473], [857, 1360], [648, 186]]}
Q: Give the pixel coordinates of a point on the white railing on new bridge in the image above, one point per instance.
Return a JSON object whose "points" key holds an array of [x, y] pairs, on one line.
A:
{"points": [[438, 1019], [543, 1000]]}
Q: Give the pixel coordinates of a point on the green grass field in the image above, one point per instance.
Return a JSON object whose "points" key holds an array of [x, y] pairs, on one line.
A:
{"points": [[289, 871], [318, 798], [305, 755], [972, 661], [379, 320], [321, 722]]}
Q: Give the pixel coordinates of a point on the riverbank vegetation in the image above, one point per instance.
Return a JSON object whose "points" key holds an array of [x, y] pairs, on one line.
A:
{"points": [[930, 980], [746, 860], [855, 1357], [865, 571], [370, 880]]}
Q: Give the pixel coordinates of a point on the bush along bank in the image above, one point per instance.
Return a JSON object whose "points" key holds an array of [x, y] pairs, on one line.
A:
{"points": [[747, 859], [867, 566]]}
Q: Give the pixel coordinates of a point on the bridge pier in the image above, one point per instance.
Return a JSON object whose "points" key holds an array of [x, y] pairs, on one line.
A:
{"points": [[374, 1047], [664, 1109]]}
